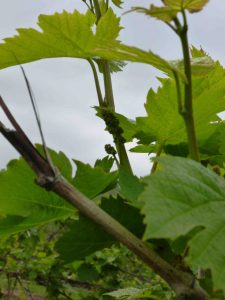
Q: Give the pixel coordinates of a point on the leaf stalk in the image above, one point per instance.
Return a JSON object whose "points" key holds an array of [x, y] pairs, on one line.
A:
{"points": [[97, 84], [187, 111]]}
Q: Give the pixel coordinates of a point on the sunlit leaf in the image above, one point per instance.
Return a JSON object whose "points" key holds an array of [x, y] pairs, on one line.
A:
{"points": [[164, 13], [200, 66], [190, 5], [195, 52], [171, 8], [75, 35], [61, 35], [165, 125], [134, 54]]}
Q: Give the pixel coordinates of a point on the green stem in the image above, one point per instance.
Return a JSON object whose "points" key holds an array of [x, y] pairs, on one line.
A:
{"points": [[97, 10], [188, 114], [172, 27], [158, 153], [179, 95], [110, 103], [89, 7], [121, 150], [108, 85], [92, 7], [123, 157], [97, 84]]}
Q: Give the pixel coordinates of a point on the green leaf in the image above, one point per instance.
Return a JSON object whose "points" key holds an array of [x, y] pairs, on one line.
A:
{"points": [[177, 150], [128, 126], [118, 3], [103, 7], [87, 272], [62, 35], [200, 66], [60, 160], [184, 195], [72, 35], [85, 237], [208, 101], [93, 181], [134, 54], [195, 52], [114, 65], [130, 187], [191, 5], [164, 13], [106, 163], [124, 213], [23, 204], [213, 148], [167, 129], [108, 29], [171, 8], [126, 293], [144, 149]]}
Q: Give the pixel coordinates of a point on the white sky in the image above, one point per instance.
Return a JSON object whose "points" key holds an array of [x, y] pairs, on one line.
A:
{"points": [[64, 88]]}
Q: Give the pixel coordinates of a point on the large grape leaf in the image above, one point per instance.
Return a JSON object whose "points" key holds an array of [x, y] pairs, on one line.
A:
{"points": [[184, 195], [23, 204], [164, 123], [75, 35], [85, 237], [61, 35]]}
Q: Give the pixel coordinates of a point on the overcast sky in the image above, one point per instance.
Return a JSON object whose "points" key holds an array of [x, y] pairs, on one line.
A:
{"points": [[64, 87]]}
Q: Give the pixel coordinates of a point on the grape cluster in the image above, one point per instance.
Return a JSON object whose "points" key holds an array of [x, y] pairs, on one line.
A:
{"points": [[112, 126], [109, 149]]}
